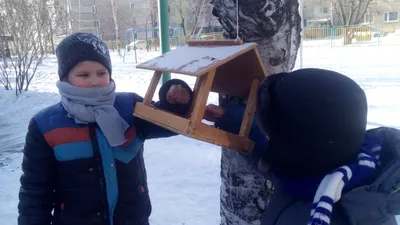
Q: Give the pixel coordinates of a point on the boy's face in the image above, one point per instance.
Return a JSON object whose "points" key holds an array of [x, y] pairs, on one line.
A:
{"points": [[89, 74]]}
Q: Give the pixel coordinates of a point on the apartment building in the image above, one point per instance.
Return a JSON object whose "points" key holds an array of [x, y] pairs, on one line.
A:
{"points": [[379, 13], [95, 16]]}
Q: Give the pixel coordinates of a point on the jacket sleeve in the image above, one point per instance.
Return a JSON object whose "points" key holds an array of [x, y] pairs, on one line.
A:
{"points": [[231, 122], [36, 195], [148, 130]]}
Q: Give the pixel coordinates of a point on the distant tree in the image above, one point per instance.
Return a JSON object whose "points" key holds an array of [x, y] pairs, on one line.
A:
{"points": [[27, 23], [182, 8], [349, 12], [116, 28]]}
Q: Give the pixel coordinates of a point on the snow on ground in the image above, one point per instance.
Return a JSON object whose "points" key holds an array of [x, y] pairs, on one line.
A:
{"points": [[183, 174]]}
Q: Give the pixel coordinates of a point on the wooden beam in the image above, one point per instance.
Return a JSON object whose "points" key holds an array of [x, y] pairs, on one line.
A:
{"points": [[215, 43], [195, 94], [250, 110], [162, 118], [222, 138], [152, 88], [203, 90]]}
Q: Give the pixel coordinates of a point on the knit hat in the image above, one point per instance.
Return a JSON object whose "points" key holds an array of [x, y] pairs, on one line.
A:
{"points": [[79, 47], [315, 120]]}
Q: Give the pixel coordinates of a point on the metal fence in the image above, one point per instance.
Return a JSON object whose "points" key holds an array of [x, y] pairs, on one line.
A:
{"points": [[340, 36], [351, 36], [151, 44], [362, 35]]}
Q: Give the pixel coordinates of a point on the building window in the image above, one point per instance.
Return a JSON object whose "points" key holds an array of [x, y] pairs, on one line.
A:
{"points": [[368, 18], [95, 9], [317, 11], [141, 5], [96, 23], [391, 17], [325, 10], [132, 6]]}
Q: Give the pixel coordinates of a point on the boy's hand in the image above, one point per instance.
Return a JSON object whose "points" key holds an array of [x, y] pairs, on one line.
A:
{"points": [[177, 94], [213, 113]]}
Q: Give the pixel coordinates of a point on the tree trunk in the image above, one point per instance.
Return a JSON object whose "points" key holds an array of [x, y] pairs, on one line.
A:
{"points": [[275, 26], [52, 39], [116, 29], [155, 33], [183, 25], [348, 36]]}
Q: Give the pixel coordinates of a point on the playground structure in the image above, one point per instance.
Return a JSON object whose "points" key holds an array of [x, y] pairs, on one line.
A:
{"points": [[133, 42]]}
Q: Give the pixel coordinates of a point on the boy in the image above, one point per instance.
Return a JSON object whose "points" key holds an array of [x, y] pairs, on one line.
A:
{"points": [[83, 157], [327, 169]]}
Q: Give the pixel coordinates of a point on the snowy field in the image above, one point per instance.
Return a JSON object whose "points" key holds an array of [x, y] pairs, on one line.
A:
{"points": [[183, 174]]}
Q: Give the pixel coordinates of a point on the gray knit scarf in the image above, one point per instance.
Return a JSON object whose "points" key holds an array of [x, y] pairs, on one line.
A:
{"points": [[88, 105]]}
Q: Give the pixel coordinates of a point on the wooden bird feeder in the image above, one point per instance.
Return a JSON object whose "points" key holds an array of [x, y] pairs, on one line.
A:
{"points": [[226, 67]]}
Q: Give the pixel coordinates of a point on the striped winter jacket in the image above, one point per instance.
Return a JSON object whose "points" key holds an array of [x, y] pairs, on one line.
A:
{"points": [[71, 175]]}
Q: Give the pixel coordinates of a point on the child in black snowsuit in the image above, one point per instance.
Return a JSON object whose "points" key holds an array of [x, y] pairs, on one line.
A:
{"points": [[83, 157], [326, 167]]}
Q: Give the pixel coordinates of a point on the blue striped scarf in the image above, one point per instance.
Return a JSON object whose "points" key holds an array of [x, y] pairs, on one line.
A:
{"points": [[331, 187]]}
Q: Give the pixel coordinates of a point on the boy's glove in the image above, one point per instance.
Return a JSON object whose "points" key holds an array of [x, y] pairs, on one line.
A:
{"points": [[177, 94]]}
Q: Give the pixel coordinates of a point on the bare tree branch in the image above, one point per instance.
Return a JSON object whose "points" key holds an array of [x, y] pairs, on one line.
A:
{"points": [[29, 24], [178, 4], [198, 6], [345, 21], [338, 14], [351, 14], [364, 11]]}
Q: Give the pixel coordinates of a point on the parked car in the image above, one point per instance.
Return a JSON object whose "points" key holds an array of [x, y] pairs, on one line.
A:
{"points": [[140, 44]]}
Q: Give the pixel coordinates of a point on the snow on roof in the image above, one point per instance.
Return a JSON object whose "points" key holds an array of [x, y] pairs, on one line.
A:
{"points": [[193, 60]]}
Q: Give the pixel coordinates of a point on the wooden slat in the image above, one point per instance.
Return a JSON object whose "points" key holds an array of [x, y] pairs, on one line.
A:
{"points": [[250, 110], [195, 94], [152, 88], [214, 43], [203, 91], [162, 118], [222, 138], [240, 73], [199, 131]]}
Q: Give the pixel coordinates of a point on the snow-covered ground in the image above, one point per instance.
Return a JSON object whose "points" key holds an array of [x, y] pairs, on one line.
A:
{"points": [[183, 173]]}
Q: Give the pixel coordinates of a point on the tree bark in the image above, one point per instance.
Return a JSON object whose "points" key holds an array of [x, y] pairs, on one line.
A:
{"points": [[275, 26]]}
